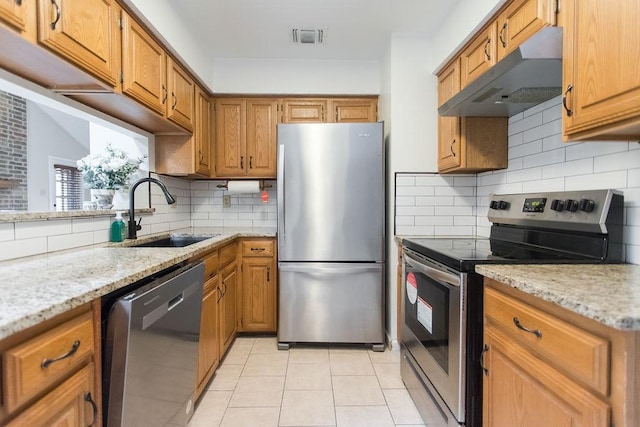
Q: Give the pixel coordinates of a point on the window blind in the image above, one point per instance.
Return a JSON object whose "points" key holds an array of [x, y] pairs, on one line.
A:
{"points": [[69, 191]]}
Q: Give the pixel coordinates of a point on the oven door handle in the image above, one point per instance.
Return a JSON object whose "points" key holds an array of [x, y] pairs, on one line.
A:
{"points": [[434, 273]]}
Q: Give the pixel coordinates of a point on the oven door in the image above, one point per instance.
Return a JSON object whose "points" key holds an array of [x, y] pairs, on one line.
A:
{"points": [[434, 326]]}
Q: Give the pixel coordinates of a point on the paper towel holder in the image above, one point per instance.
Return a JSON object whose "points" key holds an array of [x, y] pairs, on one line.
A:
{"points": [[263, 185]]}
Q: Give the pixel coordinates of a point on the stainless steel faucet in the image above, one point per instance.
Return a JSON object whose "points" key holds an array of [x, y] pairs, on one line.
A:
{"points": [[133, 226]]}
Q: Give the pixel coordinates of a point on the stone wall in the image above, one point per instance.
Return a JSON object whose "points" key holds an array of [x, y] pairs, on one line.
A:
{"points": [[13, 152]]}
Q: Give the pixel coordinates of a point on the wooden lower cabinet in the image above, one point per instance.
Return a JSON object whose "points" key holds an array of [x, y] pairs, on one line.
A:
{"points": [[259, 286], [228, 321], [72, 403], [521, 390], [209, 346], [547, 366]]}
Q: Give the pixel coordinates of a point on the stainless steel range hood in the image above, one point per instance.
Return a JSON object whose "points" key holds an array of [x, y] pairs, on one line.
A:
{"points": [[524, 78]]}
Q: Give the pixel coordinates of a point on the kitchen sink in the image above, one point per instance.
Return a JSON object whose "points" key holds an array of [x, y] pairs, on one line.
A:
{"points": [[172, 242]]}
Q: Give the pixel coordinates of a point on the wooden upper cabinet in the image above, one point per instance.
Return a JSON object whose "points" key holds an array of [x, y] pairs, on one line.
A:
{"points": [[181, 92], [203, 133], [85, 32], [520, 20], [144, 64], [14, 13], [354, 110], [304, 110], [601, 81], [479, 56], [231, 119], [448, 127], [262, 119]]}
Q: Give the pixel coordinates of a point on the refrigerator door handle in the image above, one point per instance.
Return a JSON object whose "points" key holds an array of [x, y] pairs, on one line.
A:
{"points": [[314, 269], [281, 213]]}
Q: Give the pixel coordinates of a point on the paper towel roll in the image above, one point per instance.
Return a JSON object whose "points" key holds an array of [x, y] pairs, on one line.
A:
{"points": [[243, 187]]}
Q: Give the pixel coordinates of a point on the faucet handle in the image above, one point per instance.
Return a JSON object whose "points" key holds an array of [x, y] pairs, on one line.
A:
{"points": [[138, 226]]}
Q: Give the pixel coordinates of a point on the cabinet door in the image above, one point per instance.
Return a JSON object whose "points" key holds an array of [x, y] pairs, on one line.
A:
{"points": [[520, 390], [228, 315], [479, 56], [202, 132], [13, 12], [258, 295], [304, 111], [181, 89], [70, 404], [354, 110], [208, 347], [600, 70], [83, 31], [262, 119], [520, 20], [230, 137], [448, 127], [144, 65]]}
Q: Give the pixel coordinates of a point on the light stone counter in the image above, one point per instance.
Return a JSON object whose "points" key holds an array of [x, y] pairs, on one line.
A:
{"points": [[37, 288], [609, 294]]}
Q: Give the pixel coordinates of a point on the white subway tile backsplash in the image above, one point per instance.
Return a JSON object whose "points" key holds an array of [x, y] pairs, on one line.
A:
{"points": [[571, 168], [465, 201], [455, 191], [405, 220], [515, 140], [525, 149], [617, 179], [21, 248], [7, 231], [492, 178], [525, 124], [554, 184], [434, 220], [553, 142], [464, 220], [405, 181], [414, 210], [415, 191], [632, 216], [632, 235], [79, 225], [594, 149], [434, 201], [543, 131], [617, 161], [544, 158], [524, 175], [453, 210], [413, 230], [633, 178], [434, 180], [32, 229], [405, 201], [454, 231], [515, 164], [59, 243]]}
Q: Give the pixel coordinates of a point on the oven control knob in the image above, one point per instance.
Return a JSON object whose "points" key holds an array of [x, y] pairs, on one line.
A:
{"points": [[571, 205], [493, 204], [502, 205], [557, 205], [587, 205]]}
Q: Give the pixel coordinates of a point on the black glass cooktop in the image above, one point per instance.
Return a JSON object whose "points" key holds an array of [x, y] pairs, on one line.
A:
{"points": [[462, 254]]}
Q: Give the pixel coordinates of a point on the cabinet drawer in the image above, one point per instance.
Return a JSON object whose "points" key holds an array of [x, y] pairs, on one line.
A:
{"points": [[36, 364], [211, 265], [228, 254], [571, 349], [262, 248]]}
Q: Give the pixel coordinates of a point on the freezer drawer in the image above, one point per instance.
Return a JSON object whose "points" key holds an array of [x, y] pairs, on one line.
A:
{"points": [[331, 303]]}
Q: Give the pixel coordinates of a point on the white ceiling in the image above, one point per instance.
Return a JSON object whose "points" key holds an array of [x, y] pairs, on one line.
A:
{"points": [[353, 29]]}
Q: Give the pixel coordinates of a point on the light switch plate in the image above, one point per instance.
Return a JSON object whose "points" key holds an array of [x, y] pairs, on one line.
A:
{"points": [[226, 201]]}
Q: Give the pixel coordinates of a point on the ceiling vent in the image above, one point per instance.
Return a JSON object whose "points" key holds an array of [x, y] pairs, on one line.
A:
{"points": [[307, 36]]}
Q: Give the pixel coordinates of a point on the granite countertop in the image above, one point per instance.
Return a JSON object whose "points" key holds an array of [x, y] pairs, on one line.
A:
{"points": [[37, 288], [606, 293]]}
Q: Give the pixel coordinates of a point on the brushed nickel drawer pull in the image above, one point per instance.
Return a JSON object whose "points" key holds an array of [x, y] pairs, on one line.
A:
{"points": [[88, 398], [535, 332], [46, 362]]}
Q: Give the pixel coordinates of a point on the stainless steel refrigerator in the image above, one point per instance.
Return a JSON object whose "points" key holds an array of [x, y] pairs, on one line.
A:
{"points": [[331, 233]]}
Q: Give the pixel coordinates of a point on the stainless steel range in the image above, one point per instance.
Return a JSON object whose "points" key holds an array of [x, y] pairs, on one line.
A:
{"points": [[442, 305]]}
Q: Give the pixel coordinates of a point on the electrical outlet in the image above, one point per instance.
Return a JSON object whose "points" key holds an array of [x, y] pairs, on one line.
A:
{"points": [[226, 201]]}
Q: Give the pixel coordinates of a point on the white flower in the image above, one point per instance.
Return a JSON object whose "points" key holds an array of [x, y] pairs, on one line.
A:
{"points": [[110, 170]]}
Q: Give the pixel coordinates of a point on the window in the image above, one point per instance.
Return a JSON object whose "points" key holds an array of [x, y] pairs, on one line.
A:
{"points": [[69, 192]]}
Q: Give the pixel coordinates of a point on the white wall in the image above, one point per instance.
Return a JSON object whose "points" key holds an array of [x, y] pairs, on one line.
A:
{"points": [[177, 34], [45, 139], [274, 76]]}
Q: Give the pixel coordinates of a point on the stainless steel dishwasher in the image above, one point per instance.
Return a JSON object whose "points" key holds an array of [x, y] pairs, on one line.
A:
{"points": [[151, 349]]}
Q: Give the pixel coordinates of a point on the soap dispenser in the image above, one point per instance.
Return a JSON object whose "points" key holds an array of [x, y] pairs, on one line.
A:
{"points": [[118, 228]]}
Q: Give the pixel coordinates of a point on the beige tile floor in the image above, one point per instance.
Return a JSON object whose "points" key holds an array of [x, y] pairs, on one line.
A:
{"points": [[257, 385]]}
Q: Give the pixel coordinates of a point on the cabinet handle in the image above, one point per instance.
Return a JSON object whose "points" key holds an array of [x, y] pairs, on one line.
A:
{"points": [[250, 162], [88, 398], [53, 24], [535, 332], [500, 36], [486, 49], [241, 162], [46, 362], [257, 249], [175, 101], [225, 289], [484, 350], [164, 94], [451, 148], [564, 101], [268, 274]]}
